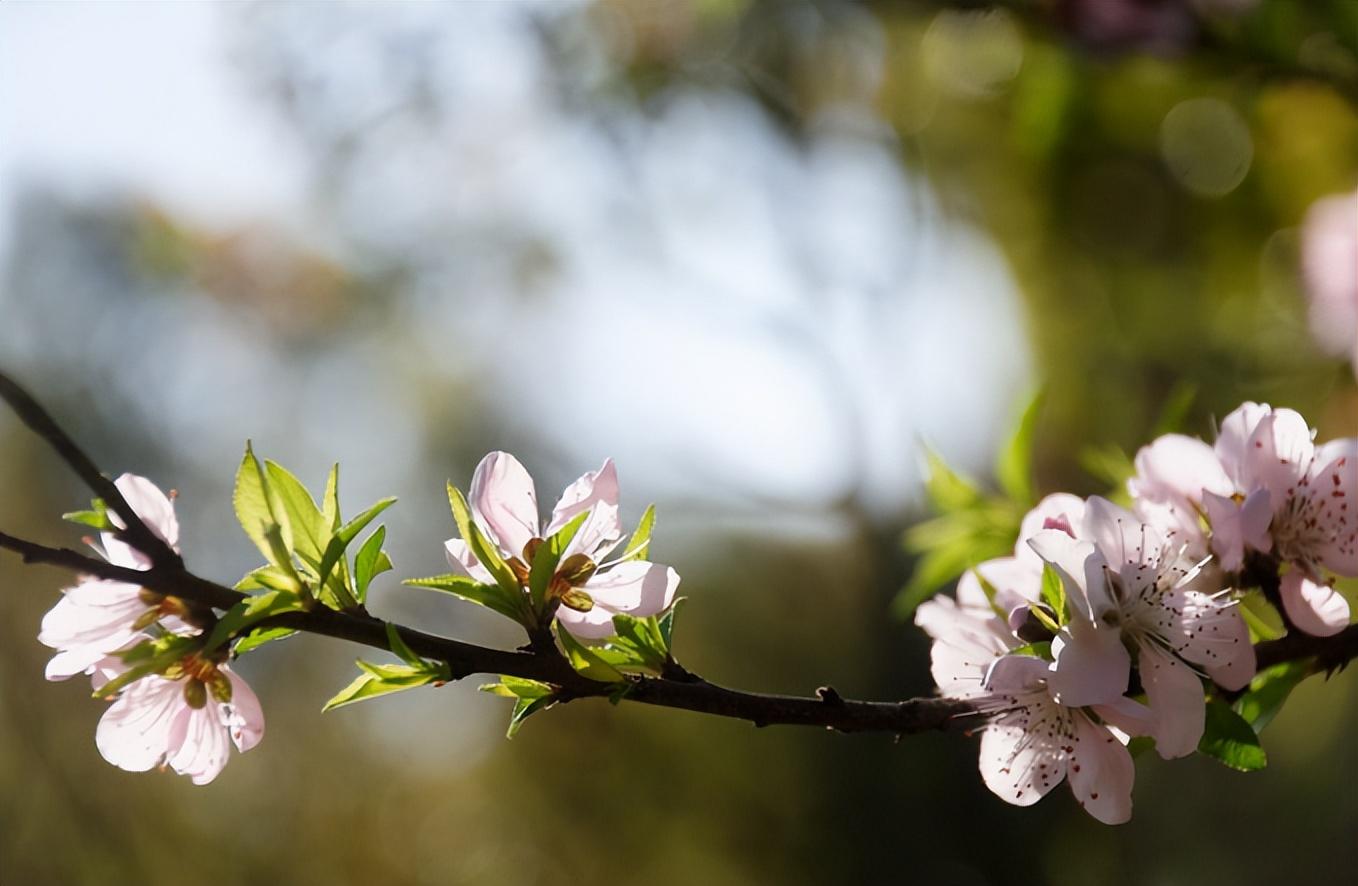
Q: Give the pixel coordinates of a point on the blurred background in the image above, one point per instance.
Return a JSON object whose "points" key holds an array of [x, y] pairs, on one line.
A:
{"points": [[759, 253]]}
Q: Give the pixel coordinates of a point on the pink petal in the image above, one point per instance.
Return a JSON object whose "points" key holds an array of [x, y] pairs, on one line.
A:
{"points": [[204, 748], [598, 535], [596, 624], [1101, 773], [464, 562], [1017, 675], [135, 732], [1207, 629], [1021, 754], [1016, 580], [1175, 695], [1313, 608], [243, 716], [1127, 716], [1228, 536], [1070, 559], [502, 495], [636, 587], [1057, 508], [583, 494], [1178, 467], [1118, 533], [1092, 666], [1278, 455], [1334, 498], [1233, 441], [155, 510], [108, 624]]}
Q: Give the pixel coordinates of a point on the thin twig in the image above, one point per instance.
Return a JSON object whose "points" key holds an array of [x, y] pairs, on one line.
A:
{"points": [[136, 533]]}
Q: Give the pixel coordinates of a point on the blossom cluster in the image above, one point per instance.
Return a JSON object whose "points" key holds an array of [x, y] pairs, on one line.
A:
{"points": [[186, 712], [1109, 623]]}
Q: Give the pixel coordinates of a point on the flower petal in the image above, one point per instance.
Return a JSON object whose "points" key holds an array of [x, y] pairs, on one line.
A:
{"points": [[1178, 467], [135, 731], [464, 562], [1175, 695], [1233, 441], [1070, 558], [243, 716], [502, 495], [1092, 666], [204, 748], [1314, 608], [583, 494], [1022, 755], [1101, 772], [1056, 510], [636, 587]]}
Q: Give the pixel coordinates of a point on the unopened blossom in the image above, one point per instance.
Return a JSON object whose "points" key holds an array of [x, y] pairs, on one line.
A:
{"points": [[186, 719], [1130, 586], [504, 506], [100, 616], [1032, 742], [1294, 499], [1329, 261]]}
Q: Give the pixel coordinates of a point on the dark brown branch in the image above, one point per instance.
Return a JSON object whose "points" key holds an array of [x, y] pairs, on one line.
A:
{"points": [[136, 533], [689, 693]]}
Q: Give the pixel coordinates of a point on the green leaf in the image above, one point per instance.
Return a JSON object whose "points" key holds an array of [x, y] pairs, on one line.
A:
{"points": [[97, 517], [258, 637], [258, 506], [1267, 692], [1264, 621], [485, 552], [523, 709], [547, 557], [1014, 465], [149, 657], [639, 545], [399, 647], [468, 588], [517, 687], [334, 551], [1054, 595], [269, 578], [310, 533], [370, 562], [1041, 649], [643, 637], [1229, 739], [330, 512], [948, 490], [250, 610], [367, 685], [585, 660], [666, 624]]}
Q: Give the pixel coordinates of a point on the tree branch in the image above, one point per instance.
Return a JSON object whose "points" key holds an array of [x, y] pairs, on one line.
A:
{"points": [[136, 533]]}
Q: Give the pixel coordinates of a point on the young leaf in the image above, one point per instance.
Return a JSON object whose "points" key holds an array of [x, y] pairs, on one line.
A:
{"points": [[485, 552], [271, 578], [258, 637], [97, 517], [1267, 692], [1264, 621], [464, 586], [330, 512], [523, 709], [948, 490], [249, 611], [257, 506], [310, 534], [370, 562], [546, 558], [665, 622], [334, 551], [643, 637], [517, 687], [399, 647], [1014, 466], [639, 545], [1229, 739], [366, 686], [1053, 594], [587, 661]]}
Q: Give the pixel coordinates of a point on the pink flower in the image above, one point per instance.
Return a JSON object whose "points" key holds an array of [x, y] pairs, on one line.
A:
{"points": [[1131, 586], [1293, 498], [1329, 261], [186, 719], [504, 505], [1033, 742], [98, 616]]}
